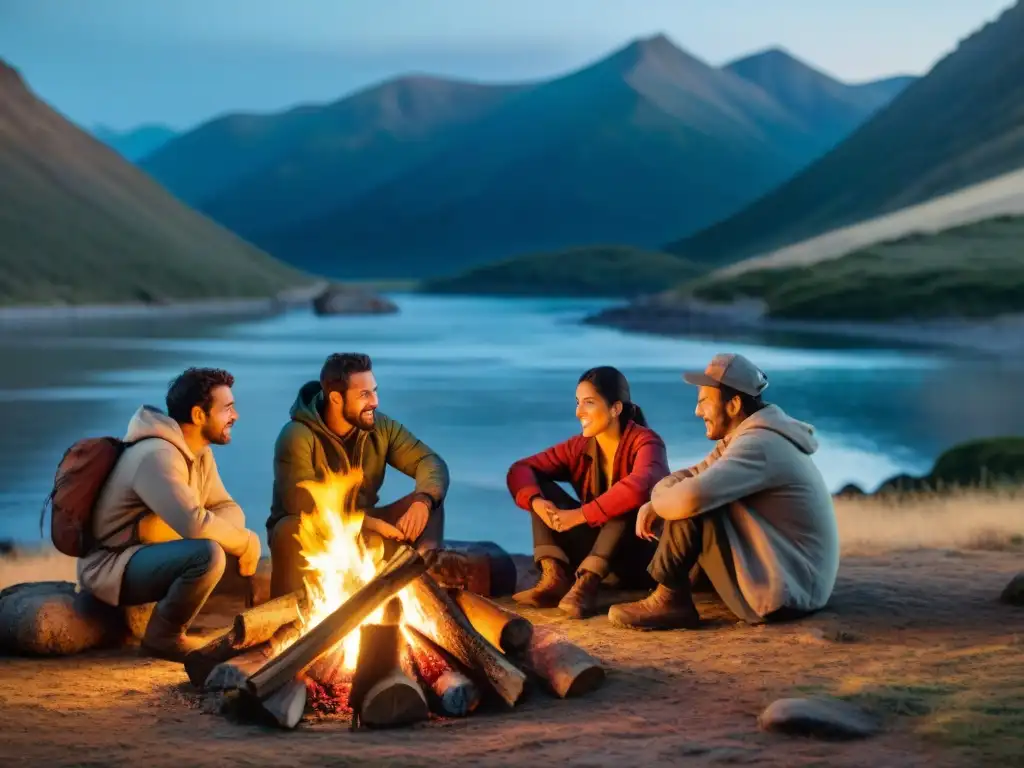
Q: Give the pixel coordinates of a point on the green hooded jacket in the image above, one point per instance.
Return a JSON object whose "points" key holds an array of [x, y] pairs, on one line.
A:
{"points": [[306, 447]]}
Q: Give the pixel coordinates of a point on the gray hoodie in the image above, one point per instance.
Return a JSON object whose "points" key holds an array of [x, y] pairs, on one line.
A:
{"points": [[157, 478], [779, 517]]}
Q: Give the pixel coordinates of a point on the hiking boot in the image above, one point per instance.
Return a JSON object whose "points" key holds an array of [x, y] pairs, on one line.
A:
{"points": [[664, 608], [550, 588], [581, 601], [165, 640]]}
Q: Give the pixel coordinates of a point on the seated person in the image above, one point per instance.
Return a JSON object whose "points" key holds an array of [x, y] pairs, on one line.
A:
{"points": [[164, 526], [755, 516], [612, 466], [335, 426]]}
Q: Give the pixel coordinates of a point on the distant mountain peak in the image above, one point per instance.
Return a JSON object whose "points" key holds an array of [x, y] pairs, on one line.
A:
{"points": [[653, 51], [776, 61]]}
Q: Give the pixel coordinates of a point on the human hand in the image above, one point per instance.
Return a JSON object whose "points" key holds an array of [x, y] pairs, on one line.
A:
{"points": [[383, 529], [566, 519], [250, 558], [412, 523], [545, 510], [646, 522]]}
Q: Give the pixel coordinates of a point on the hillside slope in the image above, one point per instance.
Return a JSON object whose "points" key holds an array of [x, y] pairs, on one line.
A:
{"points": [[260, 173], [961, 124], [587, 271], [970, 271], [623, 151], [80, 224], [829, 108]]}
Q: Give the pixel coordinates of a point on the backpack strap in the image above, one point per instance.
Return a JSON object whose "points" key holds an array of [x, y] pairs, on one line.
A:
{"points": [[134, 521]]}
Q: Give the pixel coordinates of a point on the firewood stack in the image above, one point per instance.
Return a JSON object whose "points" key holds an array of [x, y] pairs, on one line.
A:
{"points": [[447, 653]]}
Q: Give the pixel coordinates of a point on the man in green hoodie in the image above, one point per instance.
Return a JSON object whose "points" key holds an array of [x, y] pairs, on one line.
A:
{"points": [[755, 516], [335, 427]]}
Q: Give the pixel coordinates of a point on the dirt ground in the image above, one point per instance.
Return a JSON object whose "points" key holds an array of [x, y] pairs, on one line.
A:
{"points": [[918, 637], [914, 633]]}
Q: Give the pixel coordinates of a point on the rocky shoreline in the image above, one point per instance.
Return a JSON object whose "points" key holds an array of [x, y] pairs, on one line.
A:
{"points": [[323, 297], [672, 316]]}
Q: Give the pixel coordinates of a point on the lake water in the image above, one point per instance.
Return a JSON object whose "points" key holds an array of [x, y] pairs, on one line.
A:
{"points": [[483, 381]]}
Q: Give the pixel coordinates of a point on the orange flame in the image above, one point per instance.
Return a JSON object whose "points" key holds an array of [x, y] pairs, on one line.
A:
{"points": [[338, 560]]}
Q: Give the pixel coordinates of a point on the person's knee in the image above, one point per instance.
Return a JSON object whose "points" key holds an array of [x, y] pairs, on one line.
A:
{"points": [[211, 559], [433, 532]]}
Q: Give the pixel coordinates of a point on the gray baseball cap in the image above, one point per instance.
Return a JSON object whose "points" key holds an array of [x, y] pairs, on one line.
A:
{"points": [[734, 371]]}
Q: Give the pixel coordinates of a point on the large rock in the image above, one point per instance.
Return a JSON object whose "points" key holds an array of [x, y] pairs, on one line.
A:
{"points": [[824, 718], [1014, 591], [346, 300], [50, 618]]}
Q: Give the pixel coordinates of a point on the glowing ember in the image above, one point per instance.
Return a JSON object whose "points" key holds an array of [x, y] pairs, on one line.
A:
{"points": [[338, 560]]}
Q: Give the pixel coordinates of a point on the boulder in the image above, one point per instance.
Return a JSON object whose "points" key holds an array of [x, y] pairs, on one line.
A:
{"points": [[347, 300], [1014, 591], [820, 717], [50, 618]]}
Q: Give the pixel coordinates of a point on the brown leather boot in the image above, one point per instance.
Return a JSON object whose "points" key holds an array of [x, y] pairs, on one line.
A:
{"points": [[664, 608], [550, 588], [581, 601], [165, 640]]}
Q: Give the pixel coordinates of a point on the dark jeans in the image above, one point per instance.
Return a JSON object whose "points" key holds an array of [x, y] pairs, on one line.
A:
{"points": [[176, 575], [698, 545], [611, 548], [287, 562]]}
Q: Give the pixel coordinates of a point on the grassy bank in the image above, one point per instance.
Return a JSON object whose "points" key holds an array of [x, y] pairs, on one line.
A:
{"points": [[80, 225], [973, 271], [608, 271]]}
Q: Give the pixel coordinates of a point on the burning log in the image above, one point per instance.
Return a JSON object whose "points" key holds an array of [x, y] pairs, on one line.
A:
{"points": [[565, 668], [232, 673], [251, 628], [503, 629], [441, 620], [450, 692], [383, 695], [329, 669], [403, 567]]}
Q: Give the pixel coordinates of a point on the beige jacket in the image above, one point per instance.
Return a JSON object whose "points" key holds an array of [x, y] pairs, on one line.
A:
{"points": [[168, 492], [779, 519]]}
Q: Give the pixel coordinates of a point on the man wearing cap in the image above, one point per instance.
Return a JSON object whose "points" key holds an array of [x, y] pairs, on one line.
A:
{"points": [[754, 516]]}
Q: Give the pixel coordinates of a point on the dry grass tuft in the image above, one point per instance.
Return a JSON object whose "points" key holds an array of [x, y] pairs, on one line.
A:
{"points": [[967, 519]]}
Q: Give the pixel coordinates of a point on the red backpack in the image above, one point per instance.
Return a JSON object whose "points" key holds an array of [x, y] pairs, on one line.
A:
{"points": [[81, 474]]}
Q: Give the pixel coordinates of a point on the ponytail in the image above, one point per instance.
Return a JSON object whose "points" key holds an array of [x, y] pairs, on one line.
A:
{"points": [[632, 412]]}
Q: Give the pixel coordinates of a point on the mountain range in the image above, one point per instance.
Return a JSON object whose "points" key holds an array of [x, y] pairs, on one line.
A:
{"points": [[135, 143], [81, 224], [421, 176], [961, 124]]}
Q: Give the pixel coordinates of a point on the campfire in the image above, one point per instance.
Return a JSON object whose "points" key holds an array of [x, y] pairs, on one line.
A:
{"points": [[383, 639]]}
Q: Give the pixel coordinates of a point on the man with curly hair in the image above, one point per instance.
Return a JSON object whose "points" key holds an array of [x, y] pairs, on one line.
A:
{"points": [[164, 525], [335, 427]]}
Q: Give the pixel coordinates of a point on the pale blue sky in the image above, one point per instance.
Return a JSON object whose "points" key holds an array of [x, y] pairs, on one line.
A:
{"points": [[125, 62]]}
